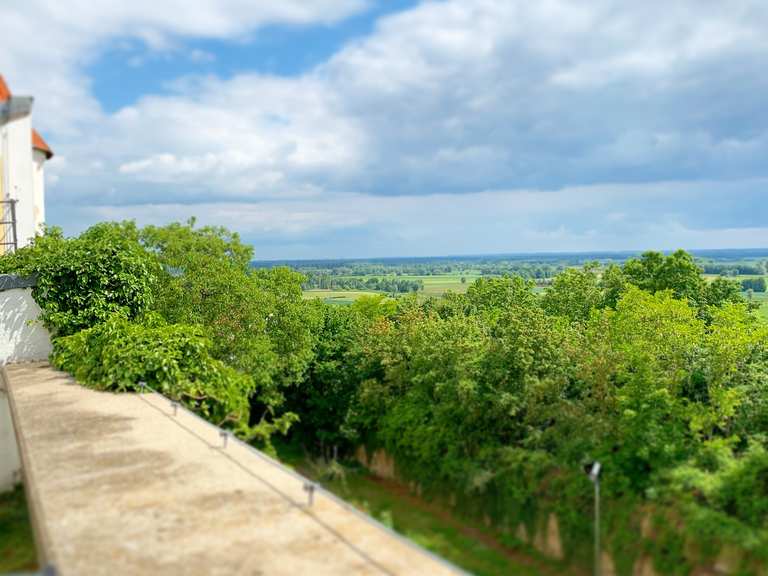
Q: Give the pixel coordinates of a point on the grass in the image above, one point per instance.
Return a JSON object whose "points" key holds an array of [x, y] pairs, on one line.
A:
{"points": [[439, 285], [762, 298], [433, 286], [17, 546], [337, 296], [473, 548]]}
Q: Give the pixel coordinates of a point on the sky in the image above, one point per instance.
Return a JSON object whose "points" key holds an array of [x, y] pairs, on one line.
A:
{"points": [[363, 128]]}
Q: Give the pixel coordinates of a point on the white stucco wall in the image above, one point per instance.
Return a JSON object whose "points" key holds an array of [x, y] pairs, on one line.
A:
{"points": [[10, 464], [19, 177], [22, 338], [38, 187]]}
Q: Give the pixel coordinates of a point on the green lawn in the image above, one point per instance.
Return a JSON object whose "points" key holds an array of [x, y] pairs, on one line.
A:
{"points": [[472, 547], [17, 546]]}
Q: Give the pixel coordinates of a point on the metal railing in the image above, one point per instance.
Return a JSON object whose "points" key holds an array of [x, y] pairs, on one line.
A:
{"points": [[312, 488], [8, 235]]}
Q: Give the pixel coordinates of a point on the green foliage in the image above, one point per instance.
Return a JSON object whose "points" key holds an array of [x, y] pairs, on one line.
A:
{"points": [[225, 339], [324, 397], [754, 284], [499, 397], [677, 272], [613, 282], [490, 295], [17, 545], [377, 306], [256, 319], [83, 281], [174, 359], [721, 291], [496, 397], [574, 293]]}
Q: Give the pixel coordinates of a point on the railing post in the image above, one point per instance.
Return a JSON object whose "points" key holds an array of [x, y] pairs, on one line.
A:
{"points": [[309, 488]]}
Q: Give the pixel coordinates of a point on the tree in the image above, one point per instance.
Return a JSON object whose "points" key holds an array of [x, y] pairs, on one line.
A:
{"points": [[613, 283], [721, 291], [573, 293], [206, 282], [492, 295], [323, 398], [754, 284], [677, 272], [255, 318]]}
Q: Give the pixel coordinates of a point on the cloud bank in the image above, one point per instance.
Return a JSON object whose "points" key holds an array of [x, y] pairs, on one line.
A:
{"points": [[458, 126]]}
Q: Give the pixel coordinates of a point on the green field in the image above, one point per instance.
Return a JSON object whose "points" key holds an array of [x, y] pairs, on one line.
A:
{"points": [[762, 297], [337, 296], [434, 285], [438, 284], [470, 546]]}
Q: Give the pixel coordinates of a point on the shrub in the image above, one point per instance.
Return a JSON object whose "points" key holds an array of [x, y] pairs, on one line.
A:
{"points": [[173, 359], [83, 281]]}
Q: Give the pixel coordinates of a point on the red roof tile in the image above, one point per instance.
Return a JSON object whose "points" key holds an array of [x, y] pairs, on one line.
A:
{"points": [[5, 93], [39, 144], [37, 141]]}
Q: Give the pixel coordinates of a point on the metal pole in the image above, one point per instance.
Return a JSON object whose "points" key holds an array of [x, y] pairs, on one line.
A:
{"points": [[13, 219], [598, 555], [309, 488]]}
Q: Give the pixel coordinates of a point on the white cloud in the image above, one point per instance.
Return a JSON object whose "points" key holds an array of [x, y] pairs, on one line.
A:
{"points": [[456, 96], [46, 43], [658, 216]]}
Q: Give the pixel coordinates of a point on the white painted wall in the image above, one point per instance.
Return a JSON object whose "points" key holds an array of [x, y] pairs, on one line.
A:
{"points": [[10, 464], [19, 178], [38, 188], [22, 337], [22, 175]]}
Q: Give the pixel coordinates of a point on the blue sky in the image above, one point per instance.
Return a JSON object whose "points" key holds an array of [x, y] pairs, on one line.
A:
{"points": [[125, 69], [353, 128]]}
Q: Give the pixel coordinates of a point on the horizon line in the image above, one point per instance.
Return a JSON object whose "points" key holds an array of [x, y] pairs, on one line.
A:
{"points": [[551, 253]]}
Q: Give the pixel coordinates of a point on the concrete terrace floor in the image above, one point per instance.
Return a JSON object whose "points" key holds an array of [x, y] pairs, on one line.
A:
{"points": [[119, 485]]}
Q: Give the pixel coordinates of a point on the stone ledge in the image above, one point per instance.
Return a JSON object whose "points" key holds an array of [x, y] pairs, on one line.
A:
{"points": [[121, 486]]}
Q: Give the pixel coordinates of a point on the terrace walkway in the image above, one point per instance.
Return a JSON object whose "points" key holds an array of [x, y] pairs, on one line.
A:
{"points": [[117, 484]]}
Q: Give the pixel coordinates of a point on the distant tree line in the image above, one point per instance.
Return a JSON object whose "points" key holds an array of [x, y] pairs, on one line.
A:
{"points": [[529, 270], [734, 268], [390, 284], [754, 284], [541, 268]]}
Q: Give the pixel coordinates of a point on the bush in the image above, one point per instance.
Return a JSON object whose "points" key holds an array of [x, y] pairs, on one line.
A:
{"points": [[173, 359], [83, 281]]}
